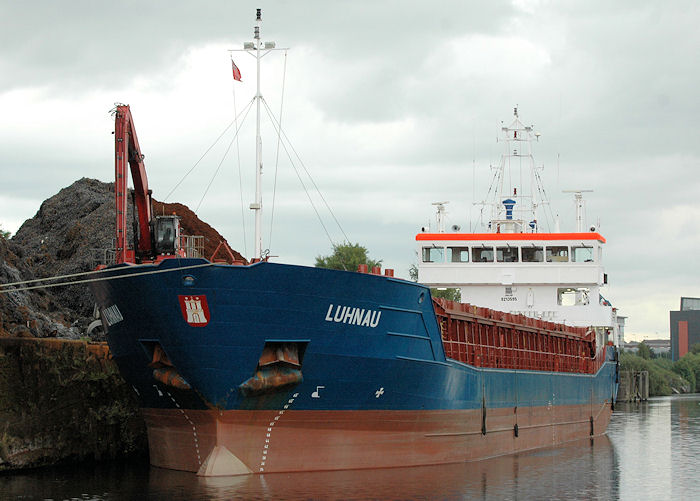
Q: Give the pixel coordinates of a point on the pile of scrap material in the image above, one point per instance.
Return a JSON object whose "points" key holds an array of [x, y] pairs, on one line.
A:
{"points": [[28, 313], [72, 232]]}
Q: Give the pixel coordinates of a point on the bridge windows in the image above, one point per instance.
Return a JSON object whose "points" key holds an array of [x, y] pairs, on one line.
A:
{"points": [[582, 254], [433, 254], [507, 254], [557, 254], [482, 254], [533, 254], [525, 253], [458, 254]]}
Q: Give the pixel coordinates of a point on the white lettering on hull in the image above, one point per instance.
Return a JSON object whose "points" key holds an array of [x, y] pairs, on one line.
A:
{"points": [[353, 316]]}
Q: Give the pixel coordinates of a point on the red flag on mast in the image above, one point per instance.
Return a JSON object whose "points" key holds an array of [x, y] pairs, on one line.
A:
{"points": [[236, 71]]}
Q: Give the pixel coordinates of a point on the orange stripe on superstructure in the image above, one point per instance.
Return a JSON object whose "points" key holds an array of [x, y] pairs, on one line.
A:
{"points": [[509, 236]]}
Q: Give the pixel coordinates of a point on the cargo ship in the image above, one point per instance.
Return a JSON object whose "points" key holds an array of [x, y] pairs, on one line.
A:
{"points": [[259, 367]]}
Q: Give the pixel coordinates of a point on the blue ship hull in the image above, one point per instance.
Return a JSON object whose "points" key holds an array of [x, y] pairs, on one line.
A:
{"points": [[369, 347]]}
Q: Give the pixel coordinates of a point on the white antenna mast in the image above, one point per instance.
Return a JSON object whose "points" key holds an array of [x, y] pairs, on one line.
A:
{"points": [[258, 50], [580, 207], [440, 216], [257, 205]]}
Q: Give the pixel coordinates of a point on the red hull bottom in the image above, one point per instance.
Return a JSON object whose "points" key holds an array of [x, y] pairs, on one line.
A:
{"points": [[215, 443]]}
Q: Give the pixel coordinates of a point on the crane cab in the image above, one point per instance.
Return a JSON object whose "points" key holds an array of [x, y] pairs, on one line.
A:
{"points": [[166, 235]]}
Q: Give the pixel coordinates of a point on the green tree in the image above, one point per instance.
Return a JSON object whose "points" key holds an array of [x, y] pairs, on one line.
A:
{"points": [[4, 234], [685, 369], [664, 362], [346, 257], [453, 294], [413, 272], [688, 368], [644, 351], [662, 380], [695, 349]]}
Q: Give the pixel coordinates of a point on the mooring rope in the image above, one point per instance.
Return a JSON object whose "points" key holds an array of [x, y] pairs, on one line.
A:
{"points": [[75, 282], [57, 277]]}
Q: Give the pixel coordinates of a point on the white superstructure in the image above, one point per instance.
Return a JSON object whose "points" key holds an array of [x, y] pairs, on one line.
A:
{"points": [[512, 266]]}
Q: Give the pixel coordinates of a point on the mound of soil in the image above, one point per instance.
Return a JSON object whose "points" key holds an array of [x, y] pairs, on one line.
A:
{"points": [[192, 225]]}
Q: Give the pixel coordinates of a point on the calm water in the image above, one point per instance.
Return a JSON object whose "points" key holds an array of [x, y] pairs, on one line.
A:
{"points": [[651, 452]]}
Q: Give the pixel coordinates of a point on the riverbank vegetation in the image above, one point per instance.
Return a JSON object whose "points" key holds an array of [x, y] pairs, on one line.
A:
{"points": [[665, 377]]}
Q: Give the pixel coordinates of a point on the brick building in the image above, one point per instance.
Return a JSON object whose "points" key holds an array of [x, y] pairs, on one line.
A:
{"points": [[685, 327]]}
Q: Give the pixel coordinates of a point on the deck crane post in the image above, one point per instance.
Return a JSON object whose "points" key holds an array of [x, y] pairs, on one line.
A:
{"points": [[153, 236]]}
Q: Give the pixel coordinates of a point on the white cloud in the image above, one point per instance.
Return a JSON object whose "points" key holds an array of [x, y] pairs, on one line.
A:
{"points": [[14, 211], [512, 60]]}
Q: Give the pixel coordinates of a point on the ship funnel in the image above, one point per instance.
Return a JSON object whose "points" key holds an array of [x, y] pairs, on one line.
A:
{"points": [[509, 203]]}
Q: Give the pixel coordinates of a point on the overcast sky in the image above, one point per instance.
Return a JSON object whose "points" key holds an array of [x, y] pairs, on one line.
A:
{"points": [[391, 105]]}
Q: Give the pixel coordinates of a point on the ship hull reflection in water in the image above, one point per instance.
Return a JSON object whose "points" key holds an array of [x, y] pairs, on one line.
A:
{"points": [[584, 469], [651, 453]]}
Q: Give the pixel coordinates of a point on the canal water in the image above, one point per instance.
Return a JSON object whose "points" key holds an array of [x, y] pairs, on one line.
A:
{"points": [[651, 451]]}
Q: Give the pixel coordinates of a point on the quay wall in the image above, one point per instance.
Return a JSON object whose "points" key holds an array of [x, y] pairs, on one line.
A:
{"points": [[62, 401], [634, 386]]}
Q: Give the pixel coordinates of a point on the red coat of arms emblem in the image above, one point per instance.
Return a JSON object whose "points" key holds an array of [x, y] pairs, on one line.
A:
{"points": [[195, 310]]}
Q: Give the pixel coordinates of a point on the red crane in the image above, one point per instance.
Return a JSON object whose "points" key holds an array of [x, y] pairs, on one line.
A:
{"points": [[154, 238]]}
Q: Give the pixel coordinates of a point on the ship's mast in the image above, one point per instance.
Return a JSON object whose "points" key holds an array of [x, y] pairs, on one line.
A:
{"points": [[258, 49], [516, 188], [257, 206]]}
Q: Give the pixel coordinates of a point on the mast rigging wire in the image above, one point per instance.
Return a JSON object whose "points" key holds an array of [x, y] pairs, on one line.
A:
{"points": [[203, 155], [238, 154], [301, 162], [277, 154], [223, 158], [545, 199], [296, 171]]}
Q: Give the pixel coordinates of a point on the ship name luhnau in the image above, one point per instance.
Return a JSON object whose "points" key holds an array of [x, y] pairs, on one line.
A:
{"points": [[353, 316]]}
